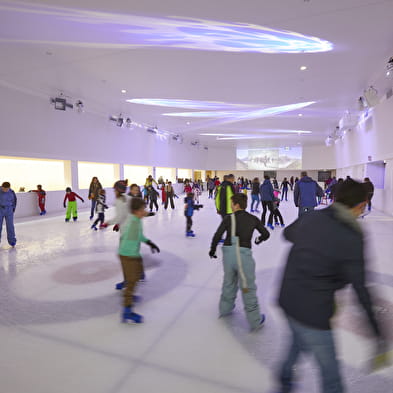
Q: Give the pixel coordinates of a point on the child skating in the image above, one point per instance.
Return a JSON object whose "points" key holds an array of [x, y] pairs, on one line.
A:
{"points": [[72, 207], [131, 261], [41, 199], [189, 208], [239, 264], [100, 209], [278, 220]]}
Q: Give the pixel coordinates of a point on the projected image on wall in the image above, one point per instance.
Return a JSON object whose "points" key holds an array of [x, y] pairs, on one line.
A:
{"points": [[265, 159]]}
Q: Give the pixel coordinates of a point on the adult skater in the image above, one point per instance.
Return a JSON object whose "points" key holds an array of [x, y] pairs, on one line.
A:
{"points": [[170, 194], [305, 193], [239, 265], [255, 194], [370, 191], [223, 197], [41, 199], [267, 198], [129, 252], [321, 262], [284, 188], [94, 192], [7, 208]]}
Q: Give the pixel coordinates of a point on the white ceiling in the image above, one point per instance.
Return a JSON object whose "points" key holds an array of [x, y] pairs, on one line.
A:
{"points": [[86, 62]]}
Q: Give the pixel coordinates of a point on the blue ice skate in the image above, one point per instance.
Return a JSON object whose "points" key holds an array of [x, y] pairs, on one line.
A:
{"points": [[129, 316], [270, 226], [75, 218], [120, 285], [263, 319], [143, 277], [94, 227], [190, 234]]}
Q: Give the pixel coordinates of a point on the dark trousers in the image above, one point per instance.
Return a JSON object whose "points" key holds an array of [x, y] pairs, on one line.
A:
{"points": [[370, 195], [284, 192], [169, 197], [267, 205], [132, 270], [101, 218], [278, 216], [153, 202], [211, 193], [189, 223]]}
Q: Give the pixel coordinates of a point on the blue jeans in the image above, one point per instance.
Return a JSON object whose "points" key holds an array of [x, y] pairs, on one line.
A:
{"points": [[93, 207], [8, 214], [284, 192], [320, 344], [305, 209], [255, 198]]}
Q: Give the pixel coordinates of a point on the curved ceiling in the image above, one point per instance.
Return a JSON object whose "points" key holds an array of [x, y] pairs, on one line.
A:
{"points": [[203, 67]]}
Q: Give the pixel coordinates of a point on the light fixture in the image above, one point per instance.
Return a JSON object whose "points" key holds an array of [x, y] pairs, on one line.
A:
{"points": [[300, 114], [188, 123], [124, 91], [389, 68], [152, 130], [128, 122], [117, 119], [371, 96], [303, 68], [61, 103], [79, 106]]}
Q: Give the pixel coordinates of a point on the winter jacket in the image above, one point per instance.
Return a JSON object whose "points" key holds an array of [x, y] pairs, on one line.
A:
{"points": [[101, 206], [122, 207], [94, 190], [306, 192], [266, 191], [223, 198], [7, 200], [255, 188], [326, 255]]}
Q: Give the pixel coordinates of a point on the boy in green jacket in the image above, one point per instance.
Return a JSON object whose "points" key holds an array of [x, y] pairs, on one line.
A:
{"points": [[130, 257]]}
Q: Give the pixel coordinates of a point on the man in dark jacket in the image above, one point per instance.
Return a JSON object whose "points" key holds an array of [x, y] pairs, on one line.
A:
{"points": [[319, 263], [370, 191], [267, 198], [239, 265], [7, 209], [223, 197], [305, 194]]}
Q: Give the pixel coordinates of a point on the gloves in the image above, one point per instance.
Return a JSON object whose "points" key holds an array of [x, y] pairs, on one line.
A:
{"points": [[116, 227], [259, 240], [83, 201], [150, 214], [104, 225], [152, 246], [212, 253], [64, 206]]}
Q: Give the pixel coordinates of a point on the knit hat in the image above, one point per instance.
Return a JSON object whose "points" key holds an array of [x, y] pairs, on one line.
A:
{"points": [[120, 186]]}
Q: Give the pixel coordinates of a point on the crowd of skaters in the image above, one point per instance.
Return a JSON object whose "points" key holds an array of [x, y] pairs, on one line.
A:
{"points": [[309, 316]]}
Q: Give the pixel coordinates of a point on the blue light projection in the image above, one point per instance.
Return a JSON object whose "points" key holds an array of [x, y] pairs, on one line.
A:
{"points": [[243, 114], [89, 28], [185, 104]]}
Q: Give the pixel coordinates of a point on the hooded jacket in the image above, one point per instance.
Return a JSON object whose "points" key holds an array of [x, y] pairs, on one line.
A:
{"points": [[266, 191], [326, 255], [306, 192]]}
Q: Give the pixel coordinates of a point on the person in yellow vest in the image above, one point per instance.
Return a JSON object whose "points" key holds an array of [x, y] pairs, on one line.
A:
{"points": [[223, 197]]}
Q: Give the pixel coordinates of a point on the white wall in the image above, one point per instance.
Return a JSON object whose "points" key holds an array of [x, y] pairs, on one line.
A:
{"points": [[371, 141], [318, 157]]}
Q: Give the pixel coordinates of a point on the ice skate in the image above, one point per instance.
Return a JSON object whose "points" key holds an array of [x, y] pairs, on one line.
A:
{"points": [[261, 323], [270, 226], [129, 316], [190, 234], [120, 285], [75, 218], [143, 277], [93, 227], [67, 220]]}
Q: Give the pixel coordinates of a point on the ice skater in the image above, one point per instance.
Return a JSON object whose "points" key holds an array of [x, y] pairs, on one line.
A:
{"points": [[189, 207], [131, 261], [239, 264], [72, 207], [7, 208], [41, 199], [100, 209]]}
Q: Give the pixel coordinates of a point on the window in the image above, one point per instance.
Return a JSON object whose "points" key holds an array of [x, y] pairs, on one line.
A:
{"points": [[166, 173], [137, 174], [184, 173], [107, 174], [25, 173]]}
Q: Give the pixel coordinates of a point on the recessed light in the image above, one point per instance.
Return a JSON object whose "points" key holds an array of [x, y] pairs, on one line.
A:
{"points": [[300, 114], [303, 68], [124, 91], [188, 123]]}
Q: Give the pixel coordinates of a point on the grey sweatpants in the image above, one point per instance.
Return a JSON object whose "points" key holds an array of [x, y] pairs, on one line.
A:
{"points": [[232, 280]]}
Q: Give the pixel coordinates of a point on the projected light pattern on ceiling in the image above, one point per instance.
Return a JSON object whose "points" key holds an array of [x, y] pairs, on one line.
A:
{"points": [[89, 28], [185, 104], [243, 114]]}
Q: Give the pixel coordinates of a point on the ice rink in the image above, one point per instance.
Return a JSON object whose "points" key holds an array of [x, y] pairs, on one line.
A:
{"points": [[60, 313]]}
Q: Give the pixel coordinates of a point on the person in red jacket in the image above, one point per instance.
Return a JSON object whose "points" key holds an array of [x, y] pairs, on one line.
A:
{"points": [[41, 199], [72, 207]]}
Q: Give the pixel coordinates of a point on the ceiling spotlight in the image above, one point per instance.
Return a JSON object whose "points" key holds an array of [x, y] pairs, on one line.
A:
{"points": [[329, 141], [128, 122], [188, 123], [300, 114], [194, 143], [152, 130], [61, 103], [79, 106], [124, 91], [118, 119], [303, 68], [389, 68]]}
